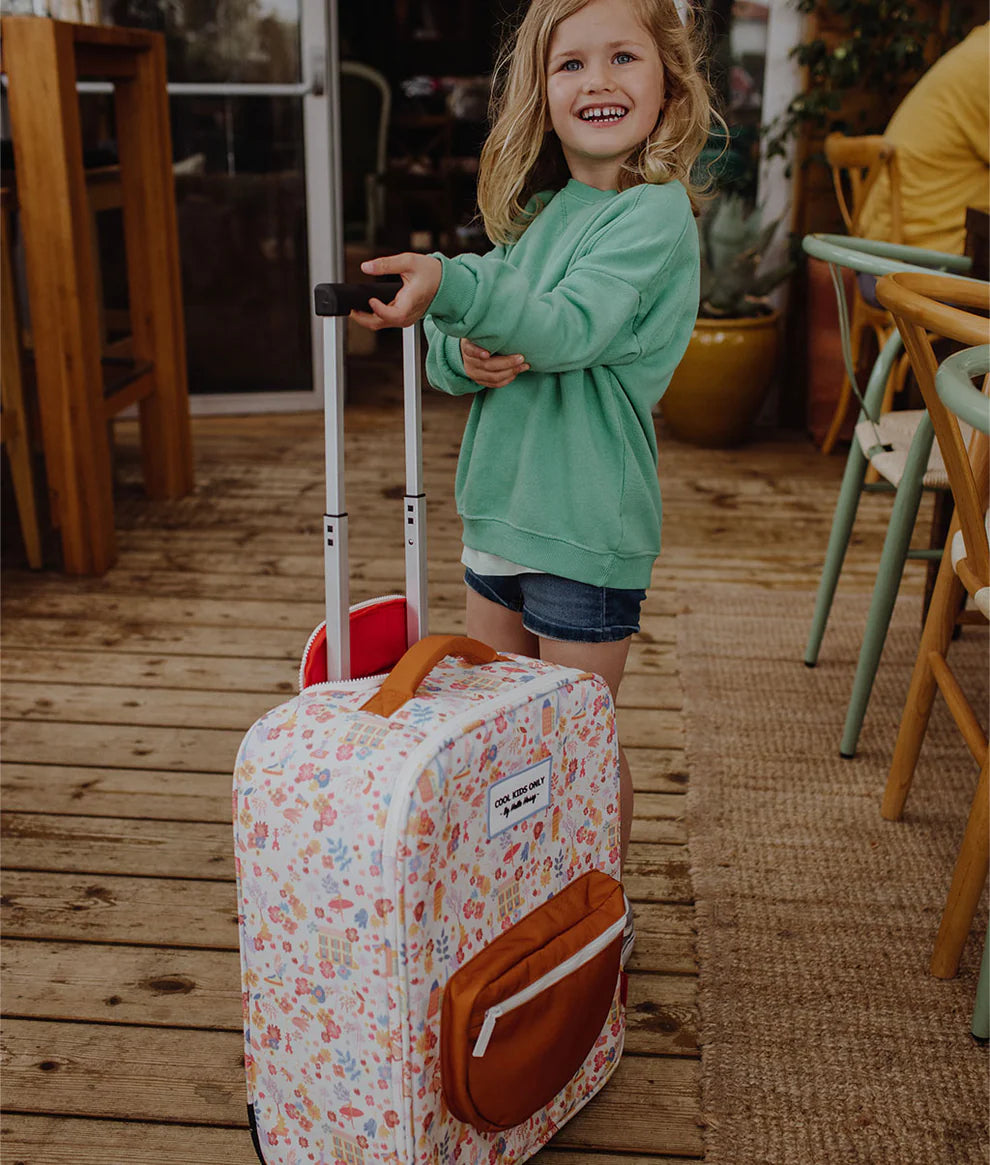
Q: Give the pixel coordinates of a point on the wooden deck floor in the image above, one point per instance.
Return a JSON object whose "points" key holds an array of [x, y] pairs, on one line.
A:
{"points": [[124, 700]]}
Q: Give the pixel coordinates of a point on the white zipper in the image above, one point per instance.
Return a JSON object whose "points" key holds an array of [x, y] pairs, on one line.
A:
{"points": [[339, 685], [561, 971]]}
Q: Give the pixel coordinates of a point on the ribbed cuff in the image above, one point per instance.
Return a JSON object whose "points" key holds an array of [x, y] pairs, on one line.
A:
{"points": [[455, 293]]}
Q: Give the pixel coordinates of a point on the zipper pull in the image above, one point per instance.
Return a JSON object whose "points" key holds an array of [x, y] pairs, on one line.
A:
{"points": [[485, 1035]]}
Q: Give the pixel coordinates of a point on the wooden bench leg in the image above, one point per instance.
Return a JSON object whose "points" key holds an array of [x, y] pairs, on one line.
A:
{"points": [[16, 435], [151, 234], [44, 115]]}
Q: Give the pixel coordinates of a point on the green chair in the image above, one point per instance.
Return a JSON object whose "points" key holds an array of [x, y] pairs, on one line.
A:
{"points": [[980, 1026], [899, 445]]}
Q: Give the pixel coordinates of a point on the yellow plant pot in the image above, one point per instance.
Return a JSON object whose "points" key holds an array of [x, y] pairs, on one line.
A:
{"points": [[720, 385]]}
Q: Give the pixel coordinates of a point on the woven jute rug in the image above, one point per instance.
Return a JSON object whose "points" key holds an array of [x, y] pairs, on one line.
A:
{"points": [[824, 1037]]}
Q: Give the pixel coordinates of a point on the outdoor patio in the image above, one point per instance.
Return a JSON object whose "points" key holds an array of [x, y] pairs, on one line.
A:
{"points": [[125, 698]]}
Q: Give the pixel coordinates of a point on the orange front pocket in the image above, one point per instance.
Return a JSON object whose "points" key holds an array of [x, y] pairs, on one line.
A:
{"points": [[521, 1017]]}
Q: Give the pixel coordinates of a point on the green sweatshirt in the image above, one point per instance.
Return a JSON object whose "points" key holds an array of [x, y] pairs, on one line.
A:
{"points": [[558, 470]]}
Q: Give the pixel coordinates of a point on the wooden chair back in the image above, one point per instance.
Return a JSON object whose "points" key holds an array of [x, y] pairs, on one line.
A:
{"points": [[857, 163], [923, 306]]}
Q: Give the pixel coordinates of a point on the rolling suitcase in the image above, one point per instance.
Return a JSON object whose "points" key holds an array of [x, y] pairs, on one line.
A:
{"points": [[427, 864]]}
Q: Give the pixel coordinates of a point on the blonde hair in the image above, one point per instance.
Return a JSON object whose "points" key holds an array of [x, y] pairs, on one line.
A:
{"points": [[520, 158]]}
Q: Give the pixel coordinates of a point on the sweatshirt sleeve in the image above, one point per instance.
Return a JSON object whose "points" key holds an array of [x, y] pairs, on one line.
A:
{"points": [[444, 365], [589, 318]]}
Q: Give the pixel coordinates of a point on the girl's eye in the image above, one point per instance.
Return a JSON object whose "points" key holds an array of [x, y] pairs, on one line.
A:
{"points": [[624, 58], [570, 66]]}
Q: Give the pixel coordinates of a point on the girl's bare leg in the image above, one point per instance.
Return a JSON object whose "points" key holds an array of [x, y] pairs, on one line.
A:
{"points": [[609, 661], [499, 627]]}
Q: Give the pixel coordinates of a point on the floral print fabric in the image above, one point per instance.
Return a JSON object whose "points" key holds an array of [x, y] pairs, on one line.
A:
{"points": [[373, 860]]}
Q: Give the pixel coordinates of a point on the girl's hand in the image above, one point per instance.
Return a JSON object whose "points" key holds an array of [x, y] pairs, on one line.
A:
{"points": [[420, 280], [490, 371]]}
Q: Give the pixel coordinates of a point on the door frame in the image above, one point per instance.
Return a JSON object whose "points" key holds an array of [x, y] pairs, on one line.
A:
{"points": [[320, 93]]}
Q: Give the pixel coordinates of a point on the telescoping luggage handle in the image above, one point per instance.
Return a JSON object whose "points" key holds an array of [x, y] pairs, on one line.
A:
{"points": [[334, 301]]}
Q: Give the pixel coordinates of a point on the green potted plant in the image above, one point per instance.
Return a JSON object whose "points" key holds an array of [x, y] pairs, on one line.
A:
{"points": [[722, 382], [860, 58]]}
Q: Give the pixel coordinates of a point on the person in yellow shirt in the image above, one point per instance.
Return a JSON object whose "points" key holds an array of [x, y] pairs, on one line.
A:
{"points": [[942, 133]]}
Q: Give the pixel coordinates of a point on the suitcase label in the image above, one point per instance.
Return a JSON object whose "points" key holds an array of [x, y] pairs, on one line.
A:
{"points": [[519, 796]]}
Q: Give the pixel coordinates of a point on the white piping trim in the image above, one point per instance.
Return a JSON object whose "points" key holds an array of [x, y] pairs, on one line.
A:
{"points": [[544, 983]]}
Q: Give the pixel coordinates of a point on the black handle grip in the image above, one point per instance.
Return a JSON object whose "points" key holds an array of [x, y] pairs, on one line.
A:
{"points": [[340, 299]]}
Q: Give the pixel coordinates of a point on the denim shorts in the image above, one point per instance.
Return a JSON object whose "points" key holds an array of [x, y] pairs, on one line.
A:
{"points": [[559, 608]]}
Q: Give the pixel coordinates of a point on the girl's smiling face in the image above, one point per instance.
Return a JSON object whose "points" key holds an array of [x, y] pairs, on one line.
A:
{"points": [[604, 89]]}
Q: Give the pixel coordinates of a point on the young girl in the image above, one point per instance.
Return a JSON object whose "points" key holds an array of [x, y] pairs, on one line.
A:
{"points": [[568, 332]]}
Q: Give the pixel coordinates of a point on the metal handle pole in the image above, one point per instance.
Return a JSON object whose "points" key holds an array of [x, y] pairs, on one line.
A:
{"points": [[335, 556], [417, 616]]}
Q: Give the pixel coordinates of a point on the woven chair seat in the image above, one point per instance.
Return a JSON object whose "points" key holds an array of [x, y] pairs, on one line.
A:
{"points": [[897, 430]]}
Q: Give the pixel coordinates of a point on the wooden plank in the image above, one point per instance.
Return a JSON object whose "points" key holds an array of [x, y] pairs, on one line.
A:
{"points": [[651, 727], [146, 634], [174, 912], [255, 581], [159, 912], [197, 850], [658, 770], [662, 689], [241, 615], [301, 616], [185, 750], [661, 954], [56, 1140], [137, 670], [658, 873], [659, 831], [179, 708], [250, 583], [151, 986], [662, 1015], [648, 1102], [141, 1073], [159, 794], [659, 818], [50, 1140], [188, 749], [658, 689], [176, 796], [151, 849], [659, 806], [160, 1074], [106, 792], [116, 705]]}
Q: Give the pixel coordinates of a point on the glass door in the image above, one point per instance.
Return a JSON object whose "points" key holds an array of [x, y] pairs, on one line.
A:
{"points": [[250, 84]]}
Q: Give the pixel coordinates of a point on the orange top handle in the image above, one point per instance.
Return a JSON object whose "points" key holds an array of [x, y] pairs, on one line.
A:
{"points": [[402, 681]]}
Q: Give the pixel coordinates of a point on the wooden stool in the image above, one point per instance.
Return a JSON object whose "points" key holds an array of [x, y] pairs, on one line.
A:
{"points": [[43, 60]]}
